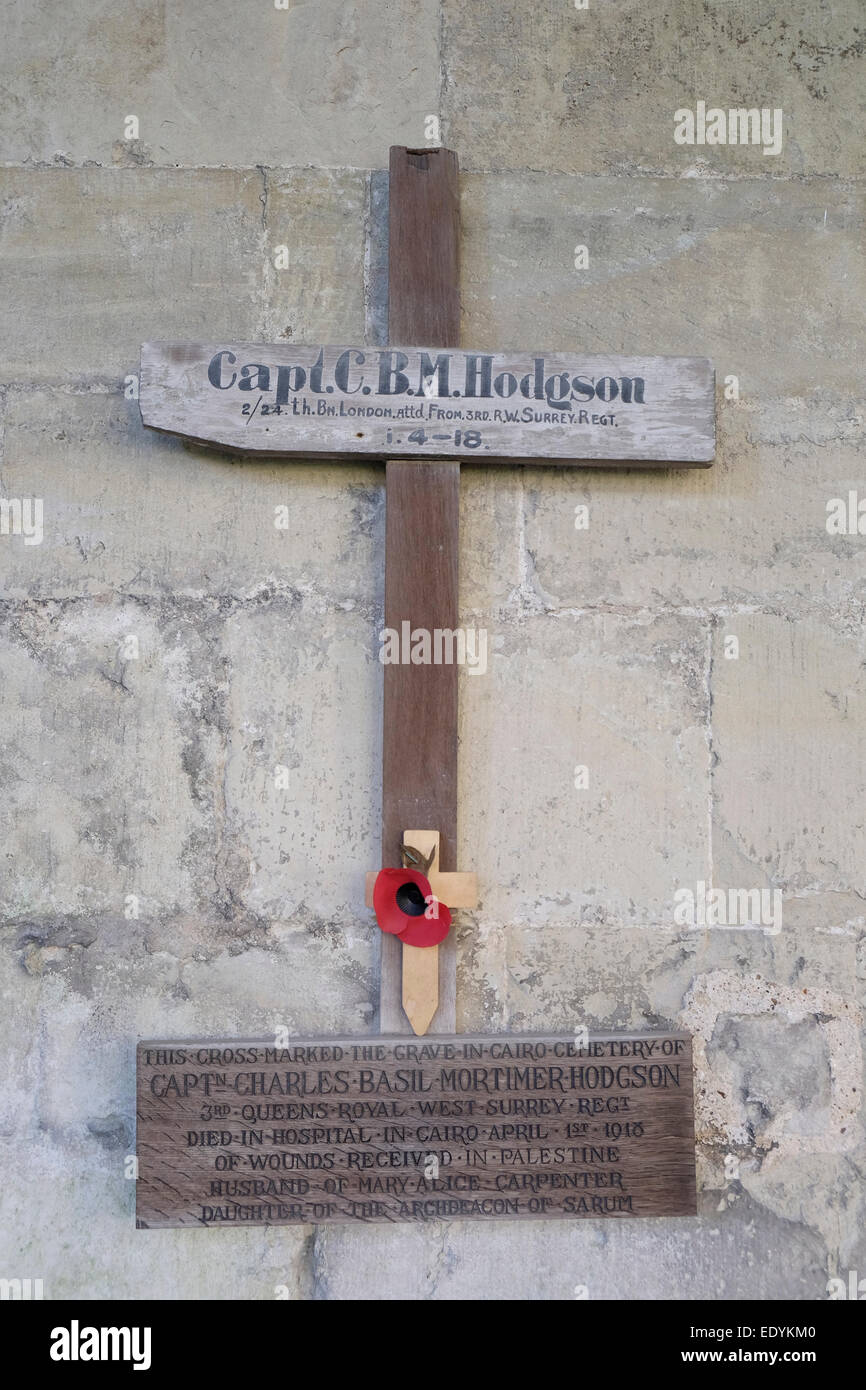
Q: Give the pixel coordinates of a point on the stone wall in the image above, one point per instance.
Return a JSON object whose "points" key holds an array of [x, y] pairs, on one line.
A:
{"points": [[139, 775]]}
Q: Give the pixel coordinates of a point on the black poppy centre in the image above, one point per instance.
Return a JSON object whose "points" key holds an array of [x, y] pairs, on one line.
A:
{"points": [[410, 899]]}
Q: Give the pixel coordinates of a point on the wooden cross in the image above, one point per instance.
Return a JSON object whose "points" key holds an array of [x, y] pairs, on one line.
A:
{"points": [[420, 966], [328, 1130], [423, 410]]}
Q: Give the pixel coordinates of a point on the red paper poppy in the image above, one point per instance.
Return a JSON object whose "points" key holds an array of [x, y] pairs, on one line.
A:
{"points": [[428, 931], [405, 907]]}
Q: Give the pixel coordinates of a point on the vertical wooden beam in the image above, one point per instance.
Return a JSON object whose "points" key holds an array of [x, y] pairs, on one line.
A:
{"points": [[423, 248], [419, 766]]}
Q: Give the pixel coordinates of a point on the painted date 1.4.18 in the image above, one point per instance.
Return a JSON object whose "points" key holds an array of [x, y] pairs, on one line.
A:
{"points": [[465, 439]]}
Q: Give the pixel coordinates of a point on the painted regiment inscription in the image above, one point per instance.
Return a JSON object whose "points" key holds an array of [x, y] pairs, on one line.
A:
{"points": [[350, 403]]}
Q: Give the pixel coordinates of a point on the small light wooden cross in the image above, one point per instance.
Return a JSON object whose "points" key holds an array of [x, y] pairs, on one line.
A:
{"points": [[420, 985]]}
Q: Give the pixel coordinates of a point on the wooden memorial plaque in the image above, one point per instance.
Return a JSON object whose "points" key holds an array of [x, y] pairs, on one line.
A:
{"points": [[393, 1129], [352, 403]]}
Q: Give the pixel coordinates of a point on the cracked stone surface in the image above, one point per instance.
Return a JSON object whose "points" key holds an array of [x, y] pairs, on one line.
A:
{"points": [[190, 690]]}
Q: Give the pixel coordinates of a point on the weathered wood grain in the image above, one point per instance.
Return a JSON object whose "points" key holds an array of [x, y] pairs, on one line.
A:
{"points": [[388, 1129], [419, 723], [423, 247], [667, 421], [420, 986], [422, 544]]}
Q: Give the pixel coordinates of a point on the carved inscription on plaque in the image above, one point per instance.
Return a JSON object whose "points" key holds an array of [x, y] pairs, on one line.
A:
{"points": [[387, 1129]]}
